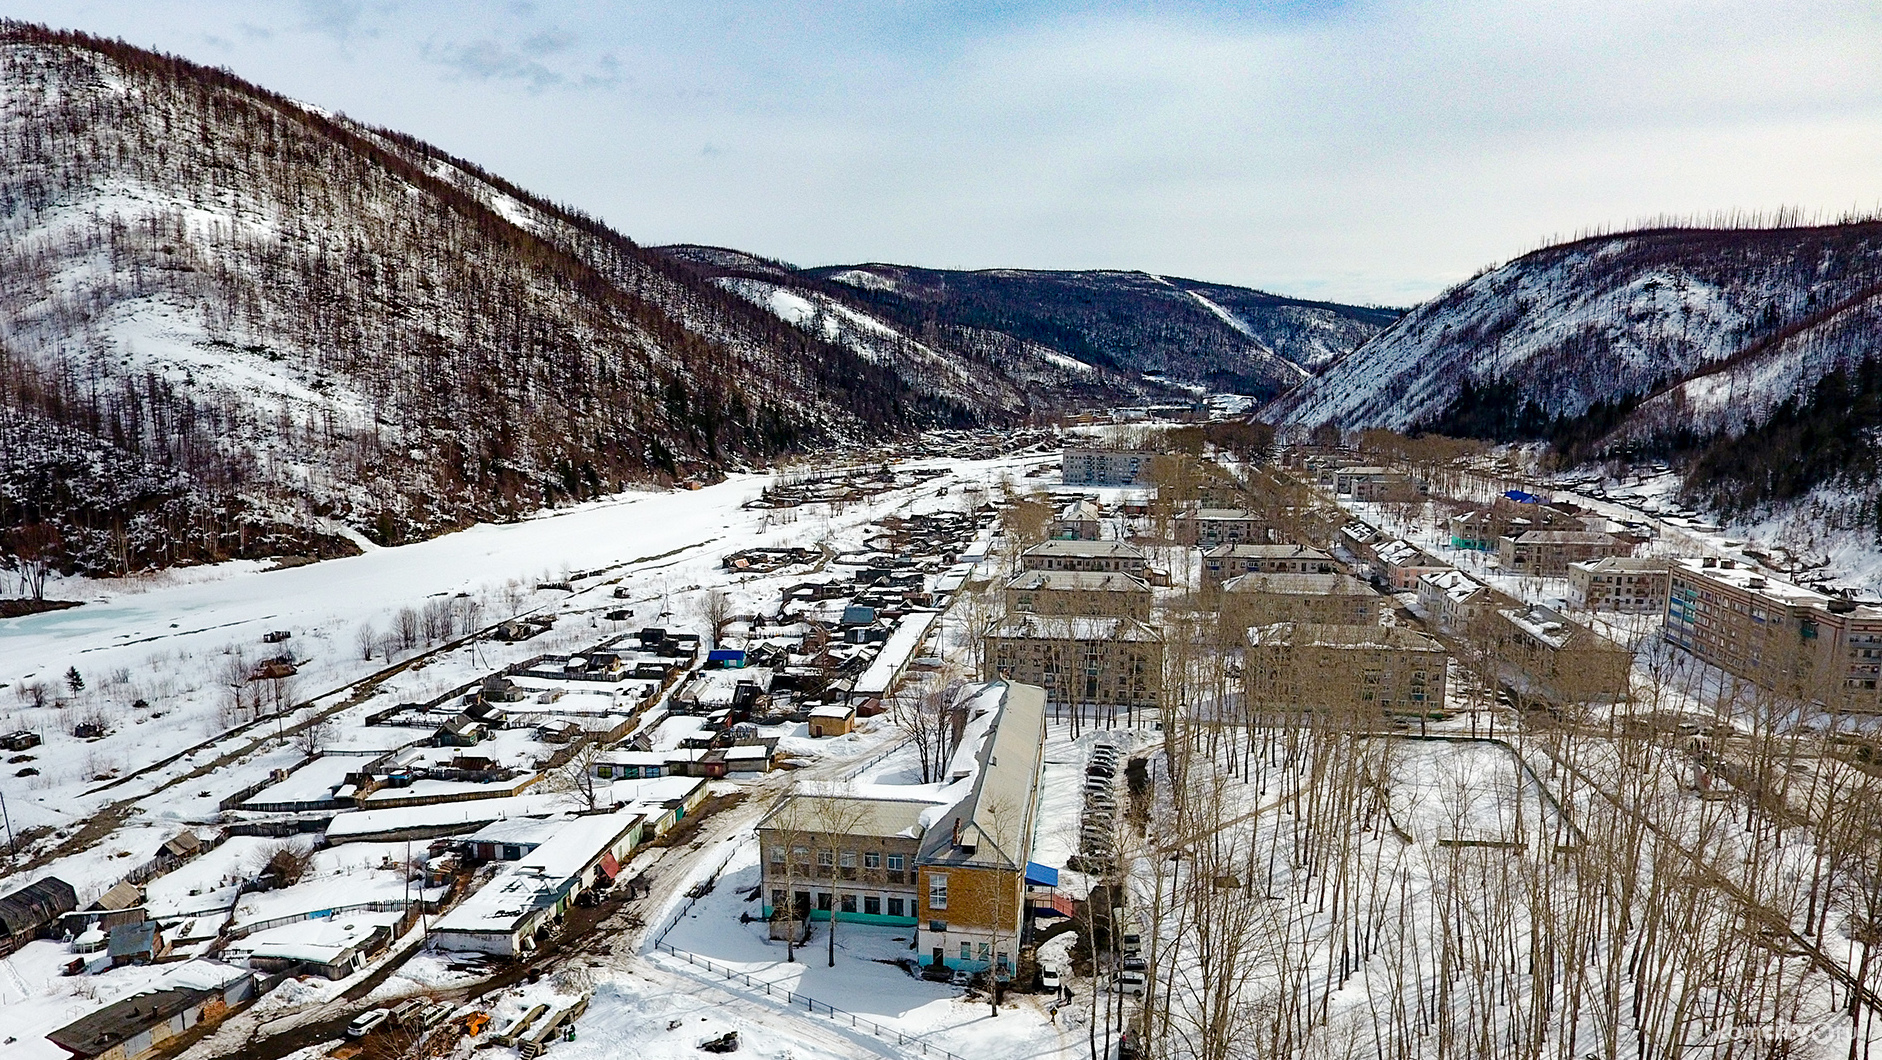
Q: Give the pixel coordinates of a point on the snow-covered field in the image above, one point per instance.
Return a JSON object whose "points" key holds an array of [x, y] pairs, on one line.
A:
{"points": [[167, 639]]}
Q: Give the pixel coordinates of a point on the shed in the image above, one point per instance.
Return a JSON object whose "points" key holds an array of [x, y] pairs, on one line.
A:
{"points": [[31, 910], [137, 1025], [139, 943], [836, 719]]}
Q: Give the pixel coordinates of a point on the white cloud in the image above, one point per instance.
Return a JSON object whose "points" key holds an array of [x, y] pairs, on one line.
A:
{"points": [[1371, 151]]}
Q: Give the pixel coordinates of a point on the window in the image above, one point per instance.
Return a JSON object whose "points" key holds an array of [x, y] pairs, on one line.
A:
{"points": [[986, 952], [849, 903], [777, 899], [823, 900], [849, 859], [826, 858], [938, 891], [604, 772], [967, 951], [895, 907], [938, 927], [872, 905], [872, 860], [777, 855]]}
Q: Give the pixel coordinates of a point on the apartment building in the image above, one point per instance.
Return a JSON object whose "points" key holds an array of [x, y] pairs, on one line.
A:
{"points": [[1374, 484], [955, 877], [1105, 467], [1078, 521], [1101, 594], [1542, 653], [1507, 517], [1079, 661], [849, 855], [1306, 666], [1209, 527], [1619, 583], [1327, 599], [1402, 563], [1223, 562], [974, 857], [1777, 635], [1085, 556], [1455, 601], [1547, 553]]}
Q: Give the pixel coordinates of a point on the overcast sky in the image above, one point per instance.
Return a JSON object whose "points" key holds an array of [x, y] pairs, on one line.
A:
{"points": [[1372, 152]]}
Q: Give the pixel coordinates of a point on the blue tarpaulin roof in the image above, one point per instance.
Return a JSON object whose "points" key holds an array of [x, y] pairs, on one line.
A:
{"points": [[1043, 875], [1522, 498]]}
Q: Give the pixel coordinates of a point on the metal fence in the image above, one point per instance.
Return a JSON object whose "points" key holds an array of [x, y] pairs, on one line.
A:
{"points": [[792, 999]]}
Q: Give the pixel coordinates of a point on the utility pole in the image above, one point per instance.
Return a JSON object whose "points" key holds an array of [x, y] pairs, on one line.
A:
{"points": [[12, 847]]}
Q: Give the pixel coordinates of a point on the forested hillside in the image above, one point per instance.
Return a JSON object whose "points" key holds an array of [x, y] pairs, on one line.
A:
{"points": [[1732, 351], [1224, 338], [1717, 325], [233, 325]]}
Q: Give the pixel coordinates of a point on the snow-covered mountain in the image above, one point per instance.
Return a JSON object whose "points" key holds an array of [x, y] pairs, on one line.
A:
{"points": [[232, 324], [1687, 329], [1027, 322]]}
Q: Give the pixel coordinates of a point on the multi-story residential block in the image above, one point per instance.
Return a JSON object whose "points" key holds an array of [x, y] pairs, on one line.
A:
{"points": [[1104, 662], [1374, 484], [1455, 601], [1619, 583], [974, 857], [1545, 655], [1509, 517], [958, 883], [1098, 594], [1777, 635], [1384, 669], [1078, 521], [1402, 563], [1223, 562], [1105, 467], [1085, 555], [1327, 599], [849, 854], [1209, 527], [1547, 553]]}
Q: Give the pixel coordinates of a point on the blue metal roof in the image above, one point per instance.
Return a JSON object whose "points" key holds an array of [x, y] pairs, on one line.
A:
{"points": [[1522, 498], [1043, 875]]}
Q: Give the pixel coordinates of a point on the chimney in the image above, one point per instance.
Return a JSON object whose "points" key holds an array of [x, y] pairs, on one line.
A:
{"points": [[957, 831]]}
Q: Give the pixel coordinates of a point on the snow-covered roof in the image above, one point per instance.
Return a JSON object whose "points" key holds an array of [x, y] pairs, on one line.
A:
{"points": [[1565, 537], [320, 940], [1402, 553], [1260, 551], [855, 814], [1086, 549], [1320, 635], [1075, 627], [996, 818], [895, 653], [519, 830], [1545, 625], [1622, 565], [1452, 583], [1078, 581], [1292, 584]]}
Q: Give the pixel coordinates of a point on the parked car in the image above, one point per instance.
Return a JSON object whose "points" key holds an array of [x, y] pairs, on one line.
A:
{"points": [[1049, 978], [367, 1022], [1131, 983], [960, 977]]}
